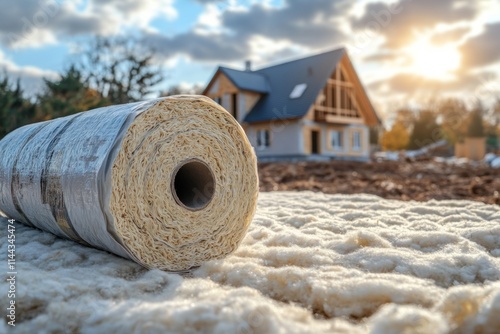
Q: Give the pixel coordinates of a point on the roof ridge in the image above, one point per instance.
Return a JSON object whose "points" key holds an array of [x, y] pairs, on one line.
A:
{"points": [[284, 62], [302, 58], [240, 71]]}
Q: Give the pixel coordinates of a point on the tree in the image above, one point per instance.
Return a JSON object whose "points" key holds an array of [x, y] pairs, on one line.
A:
{"points": [[396, 139], [406, 117], [374, 133], [454, 115], [425, 130], [179, 90], [120, 69], [476, 127], [15, 110], [494, 117], [67, 95]]}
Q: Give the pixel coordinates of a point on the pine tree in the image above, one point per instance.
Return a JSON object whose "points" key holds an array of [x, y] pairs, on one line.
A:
{"points": [[66, 96], [15, 110], [454, 116], [425, 130], [476, 127]]}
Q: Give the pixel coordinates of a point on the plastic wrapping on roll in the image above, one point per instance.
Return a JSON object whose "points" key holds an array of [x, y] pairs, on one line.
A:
{"points": [[169, 183]]}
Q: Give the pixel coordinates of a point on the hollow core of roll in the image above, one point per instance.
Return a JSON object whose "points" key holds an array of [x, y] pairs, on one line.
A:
{"points": [[193, 184]]}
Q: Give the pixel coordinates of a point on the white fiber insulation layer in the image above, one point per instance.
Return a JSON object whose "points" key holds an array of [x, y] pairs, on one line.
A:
{"points": [[169, 183], [310, 263]]}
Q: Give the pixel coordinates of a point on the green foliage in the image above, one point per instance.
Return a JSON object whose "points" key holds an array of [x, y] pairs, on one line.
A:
{"points": [[15, 110], [66, 96], [492, 143], [454, 117], [476, 127], [425, 130]]}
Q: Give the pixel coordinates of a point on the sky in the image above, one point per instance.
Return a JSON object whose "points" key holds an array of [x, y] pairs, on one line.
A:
{"points": [[406, 52]]}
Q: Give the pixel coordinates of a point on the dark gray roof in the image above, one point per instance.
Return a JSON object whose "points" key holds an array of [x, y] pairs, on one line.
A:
{"points": [[247, 80], [313, 71]]}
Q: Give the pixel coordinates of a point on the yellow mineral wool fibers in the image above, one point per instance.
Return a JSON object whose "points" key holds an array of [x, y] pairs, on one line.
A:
{"points": [[170, 183]]}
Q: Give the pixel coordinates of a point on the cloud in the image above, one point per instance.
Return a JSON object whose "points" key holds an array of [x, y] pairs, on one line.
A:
{"points": [[31, 23], [482, 50], [410, 84], [209, 21], [231, 37], [20, 21], [266, 51], [213, 47], [308, 23], [452, 35], [31, 78], [399, 21], [135, 13], [382, 57], [204, 2]]}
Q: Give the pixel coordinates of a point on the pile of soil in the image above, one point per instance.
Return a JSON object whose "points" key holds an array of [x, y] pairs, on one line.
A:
{"points": [[403, 180]]}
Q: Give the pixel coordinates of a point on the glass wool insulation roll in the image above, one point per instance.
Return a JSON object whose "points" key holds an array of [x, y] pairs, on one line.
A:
{"points": [[169, 183]]}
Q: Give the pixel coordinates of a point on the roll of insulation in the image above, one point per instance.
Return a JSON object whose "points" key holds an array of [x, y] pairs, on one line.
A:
{"points": [[169, 183]]}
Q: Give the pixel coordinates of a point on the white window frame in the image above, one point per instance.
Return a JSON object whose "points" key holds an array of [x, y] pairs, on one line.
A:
{"points": [[357, 145], [339, 134], [263, 141]]}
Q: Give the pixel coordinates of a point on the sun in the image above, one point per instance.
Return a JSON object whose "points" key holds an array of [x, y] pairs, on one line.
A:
{"points": [[431, 61]]}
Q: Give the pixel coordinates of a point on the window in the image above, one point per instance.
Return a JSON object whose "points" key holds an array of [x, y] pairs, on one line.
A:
{"points": [[217, 100], [226, 100], [234, 109], [242, 105], [263, 138], [356, 141], [298, 90], [336, 139]]}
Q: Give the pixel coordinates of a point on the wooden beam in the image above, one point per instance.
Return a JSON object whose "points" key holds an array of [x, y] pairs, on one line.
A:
{"points": [[337, 89], [342, 119], [340, 83], [364, 105], [328, 97]]}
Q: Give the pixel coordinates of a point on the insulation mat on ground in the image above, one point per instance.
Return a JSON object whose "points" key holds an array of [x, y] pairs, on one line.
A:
{"points": [[169, 183], [310, 263]]}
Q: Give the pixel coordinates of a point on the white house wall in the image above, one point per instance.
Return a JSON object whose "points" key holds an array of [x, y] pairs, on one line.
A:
{"points": [[290, 139], [347, 151], [286, 139]]}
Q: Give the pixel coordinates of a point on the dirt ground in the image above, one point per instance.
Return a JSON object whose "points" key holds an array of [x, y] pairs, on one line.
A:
{"points": [[421, 180]]}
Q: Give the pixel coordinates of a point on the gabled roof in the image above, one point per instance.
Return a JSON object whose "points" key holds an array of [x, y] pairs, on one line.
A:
{"points": [[247, 80], [313, 71], [276, 83]]}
